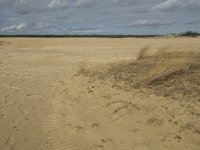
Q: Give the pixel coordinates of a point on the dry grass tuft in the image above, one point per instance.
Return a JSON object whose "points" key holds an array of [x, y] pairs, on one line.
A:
{"points": [[83, 70], [4, 43], [86, 70], [142, 52], [164, 65], [166, 73]]}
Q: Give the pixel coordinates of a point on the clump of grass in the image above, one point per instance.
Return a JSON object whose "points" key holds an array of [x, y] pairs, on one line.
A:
{"points": [[83, 70], [142, 52], [4, 42], [1, 42], [165, 73], [165, 64], [86, 70]]}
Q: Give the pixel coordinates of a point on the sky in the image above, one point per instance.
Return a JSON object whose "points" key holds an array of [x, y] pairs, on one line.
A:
{"points": [[99, 16]]}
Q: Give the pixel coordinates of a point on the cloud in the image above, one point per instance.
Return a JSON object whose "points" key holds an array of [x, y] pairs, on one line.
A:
{"points": [[14, 28], [146, 23], [174, 5], [192, 21], [40, 25], [83, 30], [93, 16], [24, 7], [89, 3], [58, 4]]}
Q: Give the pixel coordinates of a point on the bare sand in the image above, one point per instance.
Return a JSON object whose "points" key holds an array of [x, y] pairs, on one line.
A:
{"points": [[99, 94]]}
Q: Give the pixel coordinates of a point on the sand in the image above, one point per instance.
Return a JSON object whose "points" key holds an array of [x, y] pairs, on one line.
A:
{"points": [[82, 94]]}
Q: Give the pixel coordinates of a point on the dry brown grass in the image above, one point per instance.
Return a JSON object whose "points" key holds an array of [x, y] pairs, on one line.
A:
{"points": [[165, 64], [3, 42], [83, 69], [165, 73], [142, 52]]}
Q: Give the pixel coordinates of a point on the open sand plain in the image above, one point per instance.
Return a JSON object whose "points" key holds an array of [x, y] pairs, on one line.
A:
{"points": [[99, 94]]}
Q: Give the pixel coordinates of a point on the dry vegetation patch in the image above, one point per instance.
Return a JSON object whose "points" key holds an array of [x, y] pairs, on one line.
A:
{"points": [[4, 43], [170, 74]]}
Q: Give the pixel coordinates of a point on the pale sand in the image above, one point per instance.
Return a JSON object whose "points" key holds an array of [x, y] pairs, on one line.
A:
{"points": [[45, 105]]}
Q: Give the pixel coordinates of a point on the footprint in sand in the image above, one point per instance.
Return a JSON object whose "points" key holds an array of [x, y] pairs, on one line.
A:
{"points": [[95, 125], [77, 130], [106, 141], [154, 122]]}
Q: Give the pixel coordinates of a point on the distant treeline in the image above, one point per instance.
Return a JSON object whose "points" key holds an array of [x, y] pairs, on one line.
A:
{"points": [[187, 33], [190, 34], [80, 36]]}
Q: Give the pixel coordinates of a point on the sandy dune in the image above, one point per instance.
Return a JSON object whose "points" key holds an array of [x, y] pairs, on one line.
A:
{"points": [[92, 94]]}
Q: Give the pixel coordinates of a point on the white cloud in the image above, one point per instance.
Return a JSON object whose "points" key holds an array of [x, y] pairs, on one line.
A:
{"points": [[174, 5], [58, 4], [13, 28], [24, 7], [20, 26], [85, 3], [166, 5], [147, 22], [83, 31], [40, 25]]}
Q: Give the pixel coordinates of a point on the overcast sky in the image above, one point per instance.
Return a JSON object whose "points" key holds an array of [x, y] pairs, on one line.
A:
{"points": [[98, 16]]}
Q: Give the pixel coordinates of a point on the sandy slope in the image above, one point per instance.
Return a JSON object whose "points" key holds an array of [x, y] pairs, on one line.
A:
{"points": [[45, 105]]}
